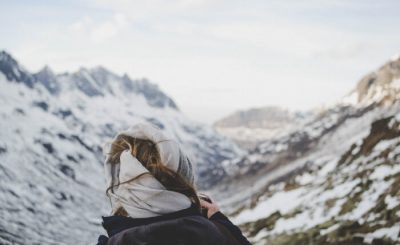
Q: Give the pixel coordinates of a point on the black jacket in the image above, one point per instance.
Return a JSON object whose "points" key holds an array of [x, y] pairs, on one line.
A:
{"points": [[186, 226]]}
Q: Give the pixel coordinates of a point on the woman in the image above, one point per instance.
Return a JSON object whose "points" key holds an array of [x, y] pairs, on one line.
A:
{"points": [[150, 185]]}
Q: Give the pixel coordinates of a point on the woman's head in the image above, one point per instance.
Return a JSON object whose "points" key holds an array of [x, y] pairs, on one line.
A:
{"points": [[147, 152], [144, 150]]}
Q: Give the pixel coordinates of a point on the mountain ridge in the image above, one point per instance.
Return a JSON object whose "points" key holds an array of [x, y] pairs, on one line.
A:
{"points": [[333, 180], [251, 126], [51, 153]]}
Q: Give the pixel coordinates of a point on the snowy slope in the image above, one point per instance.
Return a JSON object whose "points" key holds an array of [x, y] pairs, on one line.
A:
{"points": [[335, 180], [53, 128], [349, 199]]}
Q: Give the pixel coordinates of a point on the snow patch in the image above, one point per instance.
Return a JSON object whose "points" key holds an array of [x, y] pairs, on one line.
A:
{"points": [[391, 232]]}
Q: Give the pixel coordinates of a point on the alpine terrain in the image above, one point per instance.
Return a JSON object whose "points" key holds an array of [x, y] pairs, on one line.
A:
{"points": [[335, 179], [255, 125], [53, 127]]}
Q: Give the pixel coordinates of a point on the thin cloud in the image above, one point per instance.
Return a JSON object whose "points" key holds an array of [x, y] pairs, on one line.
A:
{"points": [[100, 31]]}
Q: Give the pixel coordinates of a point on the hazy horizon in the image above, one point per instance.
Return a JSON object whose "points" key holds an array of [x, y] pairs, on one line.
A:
{"points": [[212, 57]]}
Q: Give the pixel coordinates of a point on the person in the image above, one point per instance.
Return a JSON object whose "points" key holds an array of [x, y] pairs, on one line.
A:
{"points": [[150, 183]]}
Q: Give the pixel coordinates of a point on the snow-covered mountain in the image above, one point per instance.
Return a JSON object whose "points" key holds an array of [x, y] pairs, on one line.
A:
{"points": [[381, 86], [252, 126], [52, 129], [334, 180]]}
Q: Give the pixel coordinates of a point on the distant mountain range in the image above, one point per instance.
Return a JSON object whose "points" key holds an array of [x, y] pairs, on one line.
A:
{"points": [[252, 126], [53, 127], [334, 179], [330, 176]]}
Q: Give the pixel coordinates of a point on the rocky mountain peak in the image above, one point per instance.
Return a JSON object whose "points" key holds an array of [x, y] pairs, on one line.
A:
{"points": [[97, 81], [334, 179], [13, 71], [48, 78], [380, 86], [51, 157]]}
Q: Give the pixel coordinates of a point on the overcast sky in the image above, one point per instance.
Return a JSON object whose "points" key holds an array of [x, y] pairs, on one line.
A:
{"points": [[212, 57]]}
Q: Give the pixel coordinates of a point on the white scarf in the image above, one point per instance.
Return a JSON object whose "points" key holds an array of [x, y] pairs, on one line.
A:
{"points": [[146, 196]]}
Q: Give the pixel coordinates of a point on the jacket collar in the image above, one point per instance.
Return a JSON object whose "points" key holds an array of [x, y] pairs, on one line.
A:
{"points": [[116, 223]]}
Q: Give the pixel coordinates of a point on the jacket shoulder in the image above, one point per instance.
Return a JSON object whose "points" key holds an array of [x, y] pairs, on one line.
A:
{"points": [[191, 230]]}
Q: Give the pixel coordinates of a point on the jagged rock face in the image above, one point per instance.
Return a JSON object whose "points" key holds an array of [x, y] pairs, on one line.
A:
{"points": [[52, 189], [47, 77], [13, 71], [98, 82], [332, 180], [153, 94], [383, 84]]}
